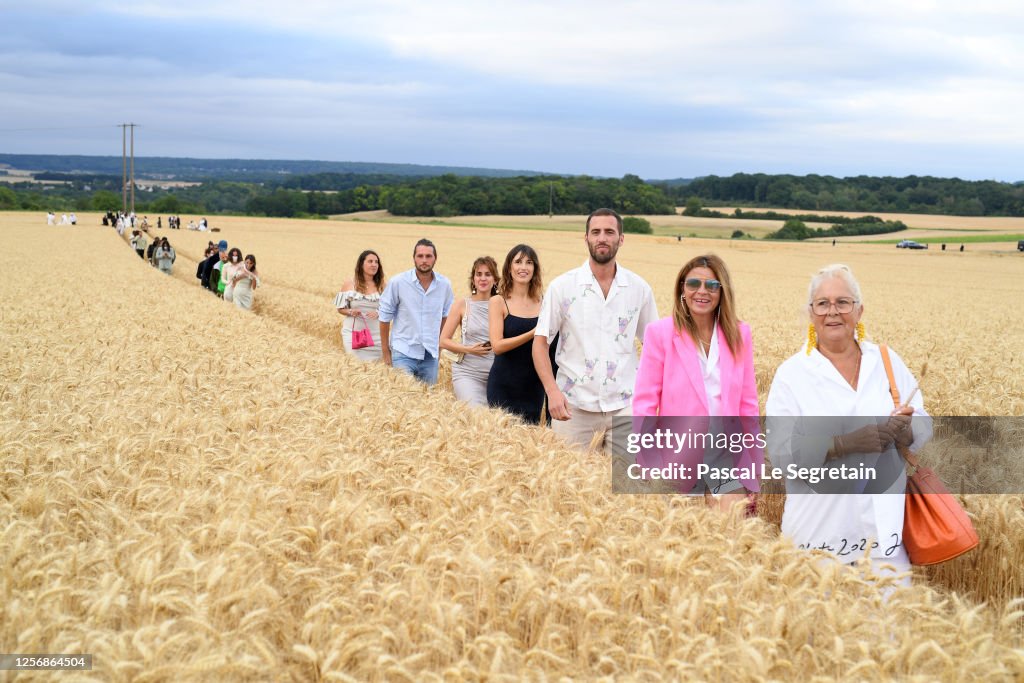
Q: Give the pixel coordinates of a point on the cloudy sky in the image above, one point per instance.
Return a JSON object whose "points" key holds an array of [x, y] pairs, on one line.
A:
{"points": [[661, 89]]}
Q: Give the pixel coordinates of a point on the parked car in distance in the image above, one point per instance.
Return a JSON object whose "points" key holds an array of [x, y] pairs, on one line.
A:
{"points": [[910, 244], [1020, 245]]}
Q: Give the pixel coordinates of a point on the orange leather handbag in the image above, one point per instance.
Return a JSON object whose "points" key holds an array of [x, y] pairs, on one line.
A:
{"points": [[935, 527]]}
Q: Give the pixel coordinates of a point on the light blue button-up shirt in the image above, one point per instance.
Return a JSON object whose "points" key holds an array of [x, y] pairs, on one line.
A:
{"points": [[415, 314]]}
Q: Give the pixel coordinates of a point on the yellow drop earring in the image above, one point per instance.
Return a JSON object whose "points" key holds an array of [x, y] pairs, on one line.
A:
{"points": [[812, 338], [860, 332]]}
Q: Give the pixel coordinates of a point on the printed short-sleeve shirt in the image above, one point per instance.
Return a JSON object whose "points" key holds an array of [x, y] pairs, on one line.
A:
{"points": [[596, 356]]}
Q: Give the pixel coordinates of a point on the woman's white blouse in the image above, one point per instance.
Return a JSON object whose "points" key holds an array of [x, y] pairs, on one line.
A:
{"points": [[345, 299], [809, 385], [711, 371]]}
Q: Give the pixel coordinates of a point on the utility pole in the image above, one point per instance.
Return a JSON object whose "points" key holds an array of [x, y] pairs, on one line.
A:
{"points": [[127, 176], [124, 172], [133, 166], [551, 199]]}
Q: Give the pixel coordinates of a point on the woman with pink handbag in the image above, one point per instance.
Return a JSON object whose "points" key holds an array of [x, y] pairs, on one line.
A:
{"points": [[359, 301]]}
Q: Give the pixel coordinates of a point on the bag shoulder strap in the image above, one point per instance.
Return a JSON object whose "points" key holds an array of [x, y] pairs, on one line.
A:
{"points": [[888, 372], [905, 452]]}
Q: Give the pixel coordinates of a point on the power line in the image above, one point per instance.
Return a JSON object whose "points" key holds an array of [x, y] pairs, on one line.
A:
{"points": [[26, 130]]}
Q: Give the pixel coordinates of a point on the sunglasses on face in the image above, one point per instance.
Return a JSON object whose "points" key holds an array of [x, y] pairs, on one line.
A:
{"points": [[693, 284]]}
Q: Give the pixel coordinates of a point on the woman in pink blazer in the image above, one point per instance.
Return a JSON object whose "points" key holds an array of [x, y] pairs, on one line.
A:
{"points": [[696, 375]]}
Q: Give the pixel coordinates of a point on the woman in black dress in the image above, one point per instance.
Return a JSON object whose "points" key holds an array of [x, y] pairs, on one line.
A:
{"points": [[513, 384]]}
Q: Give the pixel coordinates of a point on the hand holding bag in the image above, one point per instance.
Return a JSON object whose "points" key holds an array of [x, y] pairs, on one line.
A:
{"points": [[935, 527], [363, 338]]}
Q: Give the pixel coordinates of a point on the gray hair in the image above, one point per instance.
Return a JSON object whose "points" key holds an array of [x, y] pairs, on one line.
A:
{"points": [[836, 270]]}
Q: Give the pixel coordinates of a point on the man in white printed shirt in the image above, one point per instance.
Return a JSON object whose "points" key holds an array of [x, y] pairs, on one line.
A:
{"points": [[597, 310]]}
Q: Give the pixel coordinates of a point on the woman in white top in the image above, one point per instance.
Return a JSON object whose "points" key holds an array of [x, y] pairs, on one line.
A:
{"points": [[470, 372], [829, 407], [359, 301], [243, 282], [233, 267], [697, 374]]}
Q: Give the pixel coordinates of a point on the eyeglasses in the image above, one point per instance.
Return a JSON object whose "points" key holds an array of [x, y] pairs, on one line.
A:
{"points": [[823, 306], [694, 283]]}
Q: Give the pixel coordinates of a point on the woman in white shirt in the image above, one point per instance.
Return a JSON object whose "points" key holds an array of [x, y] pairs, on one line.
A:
{"points": [[359, 302], [839, 380]]}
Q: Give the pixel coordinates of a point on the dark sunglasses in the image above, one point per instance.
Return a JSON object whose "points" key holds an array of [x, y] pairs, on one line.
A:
{"points": [[694, 283]]}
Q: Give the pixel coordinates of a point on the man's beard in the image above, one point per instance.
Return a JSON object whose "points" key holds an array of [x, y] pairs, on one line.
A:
{"points": [[613, 249]]}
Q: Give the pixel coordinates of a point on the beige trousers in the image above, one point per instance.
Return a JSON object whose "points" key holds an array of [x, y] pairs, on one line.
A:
{"points": [[591, 429]]}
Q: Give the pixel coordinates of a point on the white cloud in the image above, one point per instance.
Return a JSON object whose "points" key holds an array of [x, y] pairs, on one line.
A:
{"points": [[844, 75]]}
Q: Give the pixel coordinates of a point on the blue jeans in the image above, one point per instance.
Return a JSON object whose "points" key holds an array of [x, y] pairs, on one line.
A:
{"points": [[424, 370]]}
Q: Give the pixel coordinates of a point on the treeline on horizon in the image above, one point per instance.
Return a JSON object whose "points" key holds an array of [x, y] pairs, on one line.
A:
{"points": [[322, 194], [911, 194], [440, 196]]}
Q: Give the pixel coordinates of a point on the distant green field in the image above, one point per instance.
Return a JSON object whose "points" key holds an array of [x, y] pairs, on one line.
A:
{"points": [[511, 225], [664, 226]]}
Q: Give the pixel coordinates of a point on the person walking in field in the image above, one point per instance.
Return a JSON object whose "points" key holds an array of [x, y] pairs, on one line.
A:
{"points": [[830, 405], [228, 271], [245, 281], [415, 304], [513, 384], [597, 310], [474, 356], [208, 265], [359, 302], [218, 265], [697, 374], [139, 243], [164, 256]]}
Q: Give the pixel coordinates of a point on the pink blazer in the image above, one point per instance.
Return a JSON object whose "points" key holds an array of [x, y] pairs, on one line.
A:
{"points": [[669, 383]]}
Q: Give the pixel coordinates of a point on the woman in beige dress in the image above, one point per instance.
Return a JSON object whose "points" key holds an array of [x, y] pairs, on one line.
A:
{"points": [[470, 372], [358, 301]]}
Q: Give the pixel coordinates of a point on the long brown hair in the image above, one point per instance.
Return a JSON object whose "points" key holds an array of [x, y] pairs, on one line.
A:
{"points": [[492, 266], [726, 311], [378, 279], [536, 284]]}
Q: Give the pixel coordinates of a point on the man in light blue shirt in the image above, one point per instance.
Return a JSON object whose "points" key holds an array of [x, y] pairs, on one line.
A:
{"points": [[417, 302]]}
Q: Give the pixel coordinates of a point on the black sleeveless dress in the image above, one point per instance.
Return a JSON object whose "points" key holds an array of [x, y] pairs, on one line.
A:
{"points": [[513, 384]]}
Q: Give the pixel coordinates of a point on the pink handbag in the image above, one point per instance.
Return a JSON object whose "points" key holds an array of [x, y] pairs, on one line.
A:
{"points": [[361, 338]]}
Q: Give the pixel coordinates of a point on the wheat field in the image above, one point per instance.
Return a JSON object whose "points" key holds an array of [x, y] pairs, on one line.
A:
{"points": [[191, 491]]}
